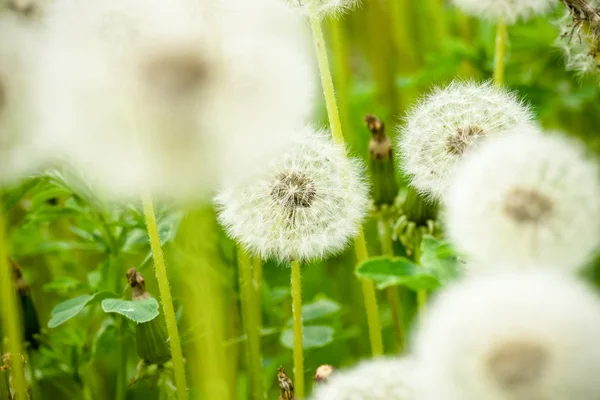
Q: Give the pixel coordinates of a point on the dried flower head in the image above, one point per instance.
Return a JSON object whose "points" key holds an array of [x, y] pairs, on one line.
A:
{"points": [[380, 379], [323, 8], [173, 96], [447, 124], [526, 198], [505, 10], [309, 204], [18, 152], [517, 336], [580, 38]]}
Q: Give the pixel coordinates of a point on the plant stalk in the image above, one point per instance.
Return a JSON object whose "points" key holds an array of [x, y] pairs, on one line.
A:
{"points": [[296, 287], [11, 314], [257, 267], [250, 313], [338, 136], [165, 294], [500, 53]]}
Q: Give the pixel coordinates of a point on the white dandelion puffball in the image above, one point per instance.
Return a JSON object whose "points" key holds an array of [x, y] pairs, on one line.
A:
{"points": [[309, 204], [172, 96], [323, 8], [526, 198], [511, 336], [581, 45], [447, 124], [18, 152], [379, 379], [509, 11]]}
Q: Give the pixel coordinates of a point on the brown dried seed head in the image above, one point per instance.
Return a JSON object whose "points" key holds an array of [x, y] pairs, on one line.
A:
{"points": [[285, 385], [525, 205], [517, 364], [323, 373], [138, 285], [458, 143], [380, 146], [294, 190]]}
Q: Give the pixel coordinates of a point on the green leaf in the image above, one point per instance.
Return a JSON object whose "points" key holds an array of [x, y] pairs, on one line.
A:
{"points": [[136, 310], [439, 259], [312, 337], [397, 271], [68, 309], [317, 309]]}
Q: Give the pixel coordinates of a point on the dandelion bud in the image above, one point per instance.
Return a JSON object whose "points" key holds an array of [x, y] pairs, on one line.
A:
{"points": [[505, 10], [152, 336], [527, 335], [385, 188], [447, 124], [308, 205], [526, 198], [285, 385], [323, 373], [380, 379]]}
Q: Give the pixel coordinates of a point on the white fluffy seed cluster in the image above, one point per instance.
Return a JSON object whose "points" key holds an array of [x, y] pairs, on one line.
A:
{"points": [[528, 335], [323, 8], [173, 97], [447, 124], [509, 11], [309, 204], [380, 379], [526, 198]]}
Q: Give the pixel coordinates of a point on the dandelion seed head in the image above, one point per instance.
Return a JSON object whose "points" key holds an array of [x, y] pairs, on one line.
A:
{"points": [[323, 8], [308, 205], [525, 198], [448, 124], [180, 96], [511, 336], [505, 10], [379, 379]]}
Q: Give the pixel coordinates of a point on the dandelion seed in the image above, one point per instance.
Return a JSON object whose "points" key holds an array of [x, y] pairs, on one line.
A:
{"points": [[323, 8], [523, 199], [447, 124], [380, 379], [506, 10], [310, 203], [526, 335], [172, 96]]}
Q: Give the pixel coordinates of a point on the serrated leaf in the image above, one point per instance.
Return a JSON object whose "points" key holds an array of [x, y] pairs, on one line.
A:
{"points": [[68, 309], [312, 337], [397, 271], [318, 309], [138, 311], [439, 259]]}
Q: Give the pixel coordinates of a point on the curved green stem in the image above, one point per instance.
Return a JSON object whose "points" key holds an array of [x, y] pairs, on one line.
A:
{"points": [[11, 315], [500, 53], [250, 313], [165, 294], [296, 286]]}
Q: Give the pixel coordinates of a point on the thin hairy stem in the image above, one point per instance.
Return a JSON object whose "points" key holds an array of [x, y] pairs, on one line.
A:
{"points": [[165, 295], [296, 286], [500, 53], [250, 313], [11, 315]]}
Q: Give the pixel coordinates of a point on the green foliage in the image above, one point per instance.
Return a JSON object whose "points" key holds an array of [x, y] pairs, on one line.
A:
{"points": [[70, 308], [139, 311]]}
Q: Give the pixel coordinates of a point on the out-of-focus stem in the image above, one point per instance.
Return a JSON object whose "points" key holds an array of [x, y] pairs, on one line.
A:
{"points": [[257, 268], [250, 313], [500, 53], [341, 68], [296, 286], [11, 314], [165, 294]]}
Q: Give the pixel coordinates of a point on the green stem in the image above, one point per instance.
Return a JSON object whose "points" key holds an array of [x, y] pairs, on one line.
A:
{"points": [[341, 68], [369, 294], [437, 28], [122, 364], [326, 79], [250, 313], [392, 292], [11, 314], [500, 53], [296, 287], [400, 21], [257, 267], [165, 294]]}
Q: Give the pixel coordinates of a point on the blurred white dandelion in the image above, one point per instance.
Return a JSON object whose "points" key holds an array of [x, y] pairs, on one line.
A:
{"points": [[379, 379], [323, 8], [511, 336], [172, 96], [447, 124], [310, 203], [526, 198], [509, 11]]}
